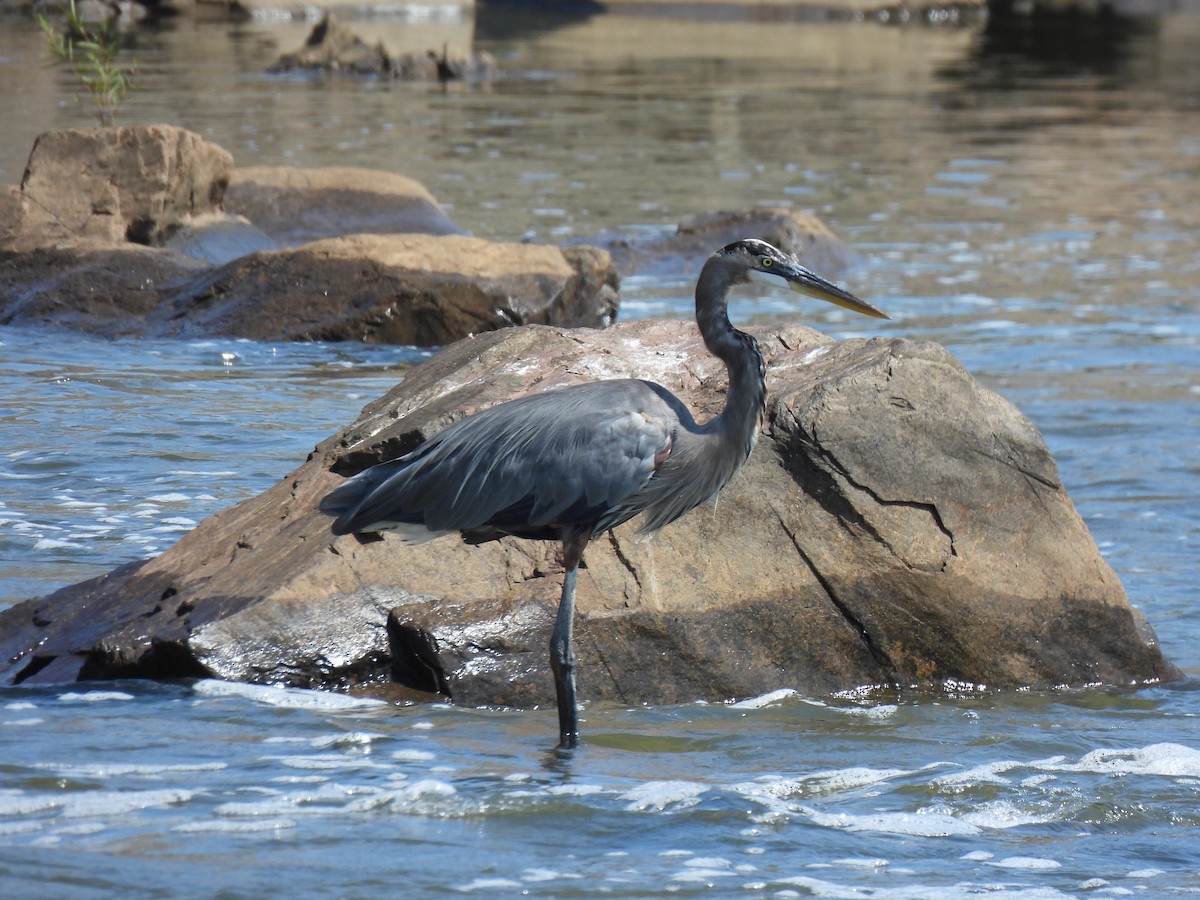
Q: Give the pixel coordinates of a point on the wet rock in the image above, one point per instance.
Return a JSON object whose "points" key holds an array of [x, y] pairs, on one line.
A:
{"points": [[897, 523], [113, 185], [404, 289], [109, 291], [75, 251], [400, 289], [684, 250], [298, 205], [219, 239]]}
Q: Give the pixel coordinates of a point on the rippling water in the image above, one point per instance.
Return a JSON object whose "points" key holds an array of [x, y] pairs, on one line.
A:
{"points": [[1031, 201]]}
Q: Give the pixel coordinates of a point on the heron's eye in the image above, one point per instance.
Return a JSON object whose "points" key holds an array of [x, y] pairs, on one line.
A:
{"points": [[766, 262]]}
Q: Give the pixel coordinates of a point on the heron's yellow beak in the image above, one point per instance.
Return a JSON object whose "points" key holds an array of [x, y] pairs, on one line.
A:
{"points": [[801, 280], [814, 285]]}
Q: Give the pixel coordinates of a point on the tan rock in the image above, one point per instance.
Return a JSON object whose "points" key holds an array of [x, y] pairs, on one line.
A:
{"points": [[112, 185], [897, 524], [298, 205], [402, 289]]}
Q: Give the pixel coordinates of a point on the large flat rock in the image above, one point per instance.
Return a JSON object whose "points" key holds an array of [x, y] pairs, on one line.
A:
{"points": [[398, 289], [897, 524]]}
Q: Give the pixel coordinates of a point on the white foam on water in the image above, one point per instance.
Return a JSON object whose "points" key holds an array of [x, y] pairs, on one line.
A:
{"points": [[816, 887], [658, 795], [575, 790], [100, 770], [76, 828], [988, 773], [285, 697], [68, 502], [1036, 863], [18, 827], [347, 739], [852, 778], [768, 699], [15, 803], [95, 804], [709, 862], [1173, 760], [325, 761], [882, 711], [864, 863], [94, 696], [425, 796], [1007, 814], [489, 884], [56, 544], [918, 824], [412, 755], [271, 807], [1036, 780], [537, 876], [229, 826], [779, 795]]}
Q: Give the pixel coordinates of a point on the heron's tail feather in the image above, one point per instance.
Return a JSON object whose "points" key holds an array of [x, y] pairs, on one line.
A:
{"points": [[361, 505]]}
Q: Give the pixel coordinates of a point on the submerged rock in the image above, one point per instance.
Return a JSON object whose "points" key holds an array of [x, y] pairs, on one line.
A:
{"points": [[298, 205], [896, 524]]}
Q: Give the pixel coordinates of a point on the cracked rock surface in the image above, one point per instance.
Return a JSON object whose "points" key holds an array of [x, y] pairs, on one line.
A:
{"points": [[898, 523]]}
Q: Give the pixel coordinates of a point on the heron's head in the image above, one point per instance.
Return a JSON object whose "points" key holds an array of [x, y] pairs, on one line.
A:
{"points": [[759, 261]]}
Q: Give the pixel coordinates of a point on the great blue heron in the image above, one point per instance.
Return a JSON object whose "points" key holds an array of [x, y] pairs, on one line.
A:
{"points": [[571, 463]]}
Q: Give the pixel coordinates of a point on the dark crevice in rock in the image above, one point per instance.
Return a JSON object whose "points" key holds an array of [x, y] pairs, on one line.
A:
{"points": [[35, 665], [623, 559], [415, 661], [813, 467], [877, 654]]}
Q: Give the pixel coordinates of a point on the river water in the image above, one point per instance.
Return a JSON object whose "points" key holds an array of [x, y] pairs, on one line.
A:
{"points": [[1031, 199]]}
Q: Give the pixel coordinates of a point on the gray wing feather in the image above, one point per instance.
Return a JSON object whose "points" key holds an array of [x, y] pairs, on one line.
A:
{"points": [[563, 454]]}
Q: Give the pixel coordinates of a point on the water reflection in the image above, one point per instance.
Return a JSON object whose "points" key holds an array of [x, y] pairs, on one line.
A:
{"points": [[1058, 44]]}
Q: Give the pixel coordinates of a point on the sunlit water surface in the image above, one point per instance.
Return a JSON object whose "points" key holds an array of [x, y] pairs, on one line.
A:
{"points": [[1032, 204]]}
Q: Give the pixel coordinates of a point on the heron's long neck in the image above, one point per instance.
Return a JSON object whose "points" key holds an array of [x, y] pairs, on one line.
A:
{"points": [[746, 398]]}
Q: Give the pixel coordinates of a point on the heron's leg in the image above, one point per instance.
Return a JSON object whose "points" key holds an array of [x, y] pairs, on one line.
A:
{"points": [[562, 652]]}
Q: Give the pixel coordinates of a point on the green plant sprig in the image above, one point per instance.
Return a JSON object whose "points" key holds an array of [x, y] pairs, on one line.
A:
{"points": [[92, 56]]}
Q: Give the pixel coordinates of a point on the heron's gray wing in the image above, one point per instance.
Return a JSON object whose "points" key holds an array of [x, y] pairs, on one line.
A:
{"points": [[565, 456]]}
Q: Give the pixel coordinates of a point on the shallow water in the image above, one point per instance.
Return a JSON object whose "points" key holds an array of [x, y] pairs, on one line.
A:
{"points": [[1034, 204]]}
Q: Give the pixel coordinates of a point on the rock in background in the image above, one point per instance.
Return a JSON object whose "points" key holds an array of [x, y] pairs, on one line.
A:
{"points": [[294, 206], [333, 48], [396, 289], [123, 232]]}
